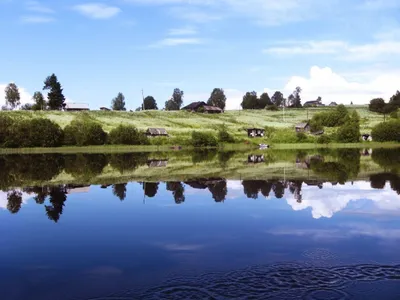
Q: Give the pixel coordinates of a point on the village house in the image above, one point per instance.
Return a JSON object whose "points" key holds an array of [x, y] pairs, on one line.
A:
{"points": [[255, 132], [313, 103], [302, 127], [153, 163], [152, 132], [104, 108], [201, 106], [76, 107], [333, 104]]}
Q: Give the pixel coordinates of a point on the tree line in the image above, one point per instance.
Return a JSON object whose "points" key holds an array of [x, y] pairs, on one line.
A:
{"points": [[56, 100], [380, 106]]}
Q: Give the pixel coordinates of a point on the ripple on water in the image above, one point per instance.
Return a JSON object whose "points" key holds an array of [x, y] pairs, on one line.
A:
{"points": [[325, 294]]}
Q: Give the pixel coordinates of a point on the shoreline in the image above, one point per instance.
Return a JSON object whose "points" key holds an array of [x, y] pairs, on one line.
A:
{"points": [[172, 148]]}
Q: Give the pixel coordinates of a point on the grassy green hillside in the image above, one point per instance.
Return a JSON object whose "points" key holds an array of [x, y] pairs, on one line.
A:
{"points": [[181, 123]]}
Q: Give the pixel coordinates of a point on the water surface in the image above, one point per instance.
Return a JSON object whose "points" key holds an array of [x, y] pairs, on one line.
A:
{"points": [[206, 225]]}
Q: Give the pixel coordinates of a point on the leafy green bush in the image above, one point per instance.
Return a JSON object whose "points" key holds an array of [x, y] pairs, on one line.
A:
{"points": [[324, 139], [386, 131], [315, 125], [203, 139], [224, 136], [394, 115], [5, 125], [301, 136], [349, 132], [272, 107], [127, 135], [37, 132], [81, 132], [332, 118]]}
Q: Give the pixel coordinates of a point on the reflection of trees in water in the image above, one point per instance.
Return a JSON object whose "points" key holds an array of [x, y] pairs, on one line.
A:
{"points": [[378, 181], [347, 165], [119, 191], [389, 159], [14, 199], [218, 190], [57, 198], [127, 162], [41, 193], [150, 189], [199, 156], [178, 191], [295, 189], [224, 157], [85, 166], [252, 188]]}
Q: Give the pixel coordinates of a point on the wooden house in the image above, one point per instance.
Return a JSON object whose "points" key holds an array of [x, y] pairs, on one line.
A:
{"points": [[76, 107], [255, 132], [201, 106], [302, 127], [104, 108], [151, 132], [333, 104], [154, 163]]}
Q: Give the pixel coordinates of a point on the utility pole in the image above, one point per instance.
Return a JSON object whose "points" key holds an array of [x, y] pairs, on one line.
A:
{"points": [[142, 100]]}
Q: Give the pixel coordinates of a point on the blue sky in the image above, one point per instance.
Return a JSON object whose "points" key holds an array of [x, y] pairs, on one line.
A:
{"points": [[340, 50]]}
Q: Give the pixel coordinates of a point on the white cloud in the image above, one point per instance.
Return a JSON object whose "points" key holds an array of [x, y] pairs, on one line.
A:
{"points": [[38, 7], [25, 96], [177, 42], [334, 87], [330, 199], [188, 30], [97, 10], [36, 19], [339, 49]]}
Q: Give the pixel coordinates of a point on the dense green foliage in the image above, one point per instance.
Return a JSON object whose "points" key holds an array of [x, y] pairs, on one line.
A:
{"points": [[377, 105], [217, 98], [55, 97], [387, 131], [5, 126], [40, 103], [203, 139], [82, 132], [127, 135], [272, 107], [324, 139], [149, 103], [176, 100], [38, 132], [349, 132], [331, 118], [277, 99], [12, 95], [224, 136], [294, 99], [118, 103]]}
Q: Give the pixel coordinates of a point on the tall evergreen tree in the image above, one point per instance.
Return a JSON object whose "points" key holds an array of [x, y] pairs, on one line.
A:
{"points": [[118, 103], [13, 97], [217, 98], [277, 98], [55, 97]]}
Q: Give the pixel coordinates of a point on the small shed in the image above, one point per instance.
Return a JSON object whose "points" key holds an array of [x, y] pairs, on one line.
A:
{"points": [[104, 108], [76, 106], [255, 132], [154, 163], [302, 127], [156, 132]]}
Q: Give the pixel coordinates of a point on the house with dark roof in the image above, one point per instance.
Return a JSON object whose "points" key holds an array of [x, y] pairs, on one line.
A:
{"points": [[333, 104], [302, 127], [255, 132], [104, 108], [156, 132], [201, 106], [313, 103]]}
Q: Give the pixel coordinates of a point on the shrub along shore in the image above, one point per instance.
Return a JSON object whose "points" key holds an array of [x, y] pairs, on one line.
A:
{"points": [[339, 125]]}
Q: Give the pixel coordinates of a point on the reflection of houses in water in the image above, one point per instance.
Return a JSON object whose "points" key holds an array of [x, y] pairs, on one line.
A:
{"points": [[255, 158], [76, 189], [104, 186], [203, 183], [157, 163], [366, 152], [314, 183]]}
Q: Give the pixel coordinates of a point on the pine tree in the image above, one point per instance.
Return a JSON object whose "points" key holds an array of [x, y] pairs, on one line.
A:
{"points": [[118, 103], [55, 97]]}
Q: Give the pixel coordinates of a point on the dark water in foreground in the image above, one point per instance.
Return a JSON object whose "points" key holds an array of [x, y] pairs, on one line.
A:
{"points": [[318, 235]]}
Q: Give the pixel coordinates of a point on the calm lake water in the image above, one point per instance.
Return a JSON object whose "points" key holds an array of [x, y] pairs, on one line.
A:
{"points": [[321, 224]]}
